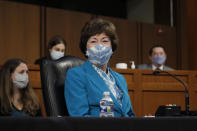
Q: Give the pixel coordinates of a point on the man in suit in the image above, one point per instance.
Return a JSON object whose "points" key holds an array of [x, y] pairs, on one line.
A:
{"points": [[157, 56]]}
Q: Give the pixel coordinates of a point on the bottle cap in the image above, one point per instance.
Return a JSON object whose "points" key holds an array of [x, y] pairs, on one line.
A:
{"points": [[106, 93]]}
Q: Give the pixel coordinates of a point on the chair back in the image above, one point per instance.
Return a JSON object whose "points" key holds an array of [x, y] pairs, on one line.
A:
{"points": [[52, 80]]}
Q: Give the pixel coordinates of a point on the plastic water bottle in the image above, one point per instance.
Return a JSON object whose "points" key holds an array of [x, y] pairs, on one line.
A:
{"points": [[106, 106]]}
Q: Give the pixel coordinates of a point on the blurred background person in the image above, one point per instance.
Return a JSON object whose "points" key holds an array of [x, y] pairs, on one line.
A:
{"points": [[17, 97], [157, 57], [85, 84], [56, 49]]}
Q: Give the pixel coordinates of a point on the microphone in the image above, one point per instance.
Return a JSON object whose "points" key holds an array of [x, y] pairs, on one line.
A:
{"points": [[156, 73], [186, 89]]}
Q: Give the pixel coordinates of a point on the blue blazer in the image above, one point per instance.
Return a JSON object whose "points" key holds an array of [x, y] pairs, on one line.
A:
{"points": [[84, 89]]}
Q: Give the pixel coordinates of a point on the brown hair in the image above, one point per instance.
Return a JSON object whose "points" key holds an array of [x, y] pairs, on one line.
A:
{"points": [[98, 26], [28, 97], [53, 42]]}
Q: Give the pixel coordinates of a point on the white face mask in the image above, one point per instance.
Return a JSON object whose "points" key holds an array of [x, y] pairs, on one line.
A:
{"points": [[21, 80], [56, 54]]}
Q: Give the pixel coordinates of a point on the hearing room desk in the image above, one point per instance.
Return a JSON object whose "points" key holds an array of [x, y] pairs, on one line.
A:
{"points": [[147, 91], [98, 124]]}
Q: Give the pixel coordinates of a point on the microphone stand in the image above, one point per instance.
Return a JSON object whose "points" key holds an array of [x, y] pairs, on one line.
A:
{"points": [[186, 89]]}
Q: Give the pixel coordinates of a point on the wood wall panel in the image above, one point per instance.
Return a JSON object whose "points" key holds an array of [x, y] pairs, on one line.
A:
{"points": [[193, 91], [67, 24], [38, 91], [19, 31], [130, 80], [181, 31], [152, 100], [163, 78], [150, 37], [35, 81], [195, 80], [145, 96], [149, 91], [27, 29], [191, 10], [132, 98], [128, 44]]}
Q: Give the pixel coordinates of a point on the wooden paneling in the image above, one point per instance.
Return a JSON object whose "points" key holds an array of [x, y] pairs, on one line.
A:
{"points": [[34, 77], [148, 92], [25, 31], [146, 95], [152, 99], [39, 94], [192, 32], [19, 31], [167, 37], [67, 24], [181, 31], [128, 44]]}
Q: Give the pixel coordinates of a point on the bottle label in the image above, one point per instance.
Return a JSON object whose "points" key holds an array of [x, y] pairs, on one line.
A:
{"points": [[106, 111], [109, 109]]}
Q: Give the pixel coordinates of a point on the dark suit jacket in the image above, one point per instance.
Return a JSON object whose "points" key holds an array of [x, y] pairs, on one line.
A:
{"points": [[149, 67]]}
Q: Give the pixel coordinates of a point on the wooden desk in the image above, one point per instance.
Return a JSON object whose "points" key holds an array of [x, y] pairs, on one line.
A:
{"points": [[98, 124], [147, 91]]}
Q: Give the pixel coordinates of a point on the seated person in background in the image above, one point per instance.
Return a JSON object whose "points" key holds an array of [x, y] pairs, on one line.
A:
{"points": [[56, 49], [157, 56], [85, 84], [17, 97]]}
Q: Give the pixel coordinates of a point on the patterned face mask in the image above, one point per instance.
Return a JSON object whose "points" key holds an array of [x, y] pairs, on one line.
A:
{"points": [[159, 60], [99, 54], [21, 80]]}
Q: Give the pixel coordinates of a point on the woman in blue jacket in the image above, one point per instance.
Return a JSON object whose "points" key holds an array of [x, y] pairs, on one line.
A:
{"points": [[85, 84]]}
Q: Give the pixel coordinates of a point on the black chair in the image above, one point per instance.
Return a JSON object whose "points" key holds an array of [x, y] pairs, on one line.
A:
{"points": [[53, 79]]}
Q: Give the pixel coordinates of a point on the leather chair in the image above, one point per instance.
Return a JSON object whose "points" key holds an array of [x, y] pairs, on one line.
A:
{"points": [[53, 79]]}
